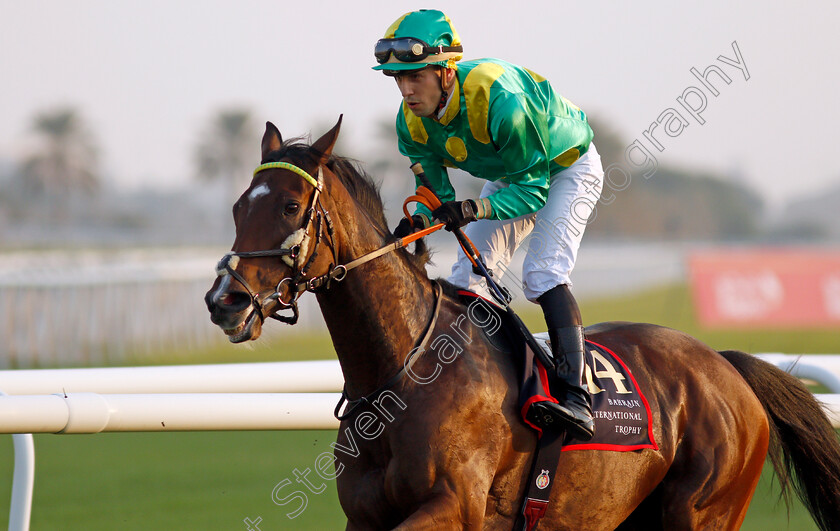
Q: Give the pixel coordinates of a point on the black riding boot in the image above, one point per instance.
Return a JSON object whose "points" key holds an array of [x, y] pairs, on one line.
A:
{"points": [[567, 346]]}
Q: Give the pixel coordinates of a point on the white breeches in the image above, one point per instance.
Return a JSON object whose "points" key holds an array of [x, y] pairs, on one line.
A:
{"points": [[556, 231]]}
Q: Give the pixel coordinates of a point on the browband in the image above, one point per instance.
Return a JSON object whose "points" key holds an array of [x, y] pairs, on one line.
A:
{"points": [[291, 167]]}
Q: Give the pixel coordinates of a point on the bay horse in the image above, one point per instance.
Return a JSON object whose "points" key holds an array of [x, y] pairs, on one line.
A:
{"points": [[451, 452]]}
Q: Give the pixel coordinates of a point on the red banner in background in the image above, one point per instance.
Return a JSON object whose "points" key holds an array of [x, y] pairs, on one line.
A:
{"points": [[791, 288]]}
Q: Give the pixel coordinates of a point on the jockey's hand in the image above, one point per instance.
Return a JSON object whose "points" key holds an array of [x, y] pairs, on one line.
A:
{"points": [[456, 214], [404, 228]]}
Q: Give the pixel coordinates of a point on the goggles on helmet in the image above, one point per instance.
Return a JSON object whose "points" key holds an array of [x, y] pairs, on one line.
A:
{"points": [[408, 50]]}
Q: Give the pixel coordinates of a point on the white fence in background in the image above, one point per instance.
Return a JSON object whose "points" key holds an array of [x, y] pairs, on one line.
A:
{"points": [[87, 308], [254, 396]]}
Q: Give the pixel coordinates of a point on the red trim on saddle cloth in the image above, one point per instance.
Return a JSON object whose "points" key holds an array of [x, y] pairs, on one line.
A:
{"points": [[534, 510], [616, 447]]}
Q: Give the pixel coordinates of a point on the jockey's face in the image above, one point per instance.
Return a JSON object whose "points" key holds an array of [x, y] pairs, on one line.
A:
{"points": [[421, 90]]}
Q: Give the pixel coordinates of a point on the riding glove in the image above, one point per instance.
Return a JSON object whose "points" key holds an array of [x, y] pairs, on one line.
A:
{"points": [[405, 227], [456, 214]]}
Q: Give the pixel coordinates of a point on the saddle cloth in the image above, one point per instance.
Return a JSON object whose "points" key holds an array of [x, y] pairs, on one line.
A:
{"points": [[621, 412]]}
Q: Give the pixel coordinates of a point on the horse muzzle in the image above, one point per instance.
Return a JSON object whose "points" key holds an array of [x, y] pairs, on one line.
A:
{"points": [[234, 312]]}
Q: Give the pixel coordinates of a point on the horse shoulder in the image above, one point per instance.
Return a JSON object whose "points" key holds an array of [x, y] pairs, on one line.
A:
{"points": [[452, 449]]}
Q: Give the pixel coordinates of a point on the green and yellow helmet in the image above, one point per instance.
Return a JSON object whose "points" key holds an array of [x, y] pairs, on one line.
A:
{"points": [[416, 40]]}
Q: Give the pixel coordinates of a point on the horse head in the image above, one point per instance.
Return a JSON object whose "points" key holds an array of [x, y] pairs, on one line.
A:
{"points": [[282, 234]]}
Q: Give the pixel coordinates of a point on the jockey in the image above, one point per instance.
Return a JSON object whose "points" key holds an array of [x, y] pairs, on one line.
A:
{"points": [[506, 125]]}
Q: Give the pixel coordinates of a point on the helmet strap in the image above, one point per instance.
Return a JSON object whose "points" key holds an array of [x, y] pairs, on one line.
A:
{"points": [[444, 94]]}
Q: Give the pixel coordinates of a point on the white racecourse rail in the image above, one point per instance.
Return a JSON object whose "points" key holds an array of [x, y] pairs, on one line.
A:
{"points": [[253, 396], [246, 396]]}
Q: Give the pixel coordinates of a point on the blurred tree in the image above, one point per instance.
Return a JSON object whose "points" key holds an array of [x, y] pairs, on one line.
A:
{"points": [[228, 153], [677, 203], [57, 181], [387, 157], [681, 204], [809, 217], [65, 161], [607, 140]]}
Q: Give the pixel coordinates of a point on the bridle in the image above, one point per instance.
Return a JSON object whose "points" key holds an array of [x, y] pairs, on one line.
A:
{"points": [[293, 250]]}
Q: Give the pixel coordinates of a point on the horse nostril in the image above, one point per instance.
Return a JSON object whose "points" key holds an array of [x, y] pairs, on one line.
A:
{"points": [[232, 301], [208, 300]]}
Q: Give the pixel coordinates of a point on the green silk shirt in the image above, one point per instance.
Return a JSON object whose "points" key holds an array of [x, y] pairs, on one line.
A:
{"points": [[502, 122]]}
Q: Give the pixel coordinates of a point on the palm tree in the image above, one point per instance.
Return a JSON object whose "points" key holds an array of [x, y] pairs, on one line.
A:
{"points": [[65, 162], [228, 152]]}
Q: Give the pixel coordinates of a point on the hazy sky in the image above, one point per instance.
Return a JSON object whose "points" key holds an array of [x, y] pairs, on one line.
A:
{"points": [[148, 75]]}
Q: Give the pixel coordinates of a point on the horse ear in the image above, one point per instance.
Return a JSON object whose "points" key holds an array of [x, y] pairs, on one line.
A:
{"points": [[271, 139], [325, 144]]}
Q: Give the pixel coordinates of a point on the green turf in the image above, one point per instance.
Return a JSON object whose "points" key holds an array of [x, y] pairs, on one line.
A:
{"points": [[184, 481], [214, 480], [768, 513], [209, 481], [288, 347]]}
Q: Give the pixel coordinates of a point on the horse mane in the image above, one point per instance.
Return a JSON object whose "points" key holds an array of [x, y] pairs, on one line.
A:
{"points": [[361, 187]]}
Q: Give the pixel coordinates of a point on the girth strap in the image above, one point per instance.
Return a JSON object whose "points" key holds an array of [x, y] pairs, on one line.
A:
{"points": [[540, 480]]}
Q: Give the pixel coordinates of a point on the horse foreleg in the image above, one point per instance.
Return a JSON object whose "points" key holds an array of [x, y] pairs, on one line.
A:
{"points": [[444, 511]]}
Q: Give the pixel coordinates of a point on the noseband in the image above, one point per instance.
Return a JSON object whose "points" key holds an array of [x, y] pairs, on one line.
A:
{"points": [[291, 251]]}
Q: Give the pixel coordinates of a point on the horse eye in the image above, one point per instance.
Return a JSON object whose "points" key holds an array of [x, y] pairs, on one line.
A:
{"points": [[292, 208]]}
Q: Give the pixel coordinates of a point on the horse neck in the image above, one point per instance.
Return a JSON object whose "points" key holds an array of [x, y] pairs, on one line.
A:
{"points": [[379, 311]]}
